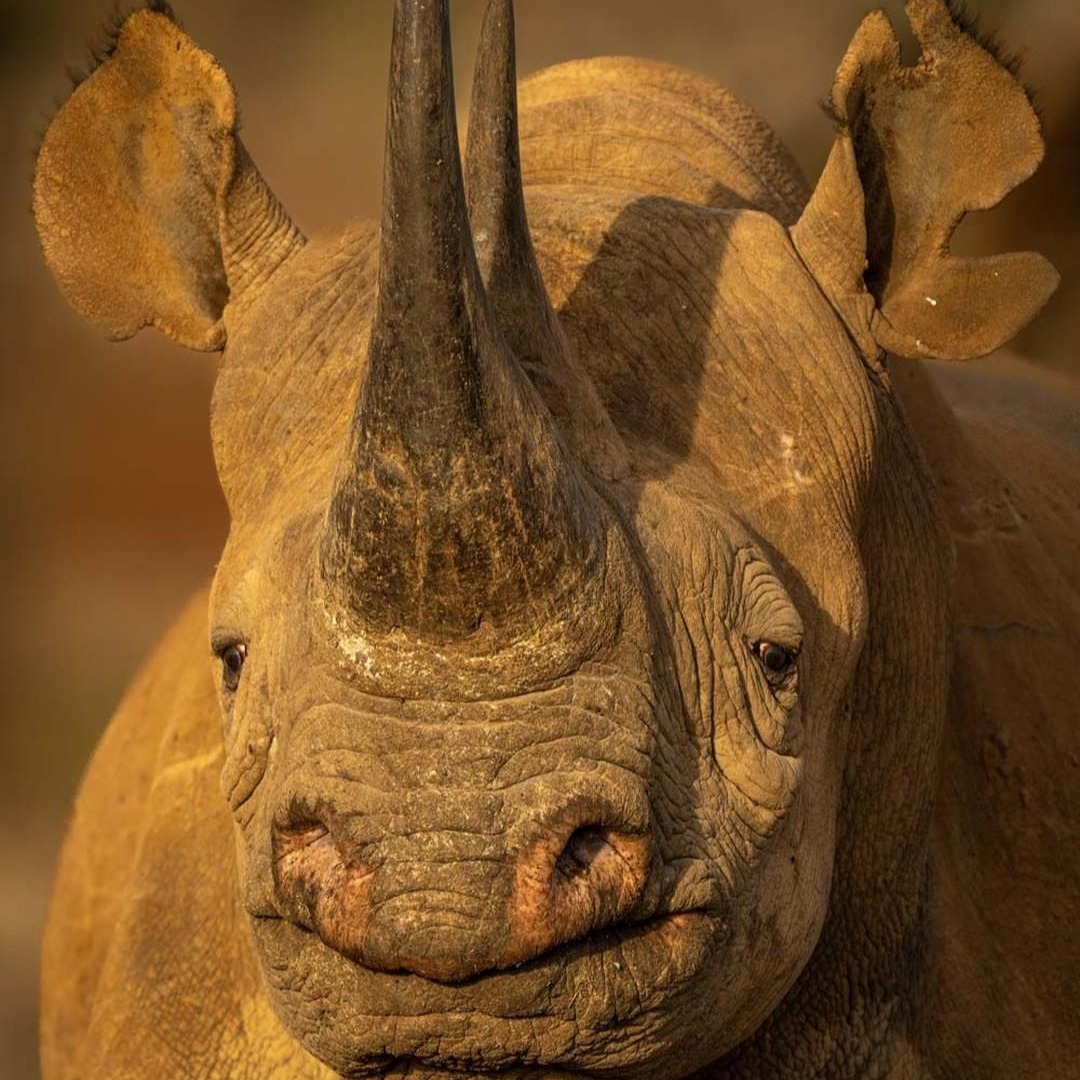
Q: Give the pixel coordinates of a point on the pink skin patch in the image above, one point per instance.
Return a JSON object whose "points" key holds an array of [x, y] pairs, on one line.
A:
{"points": [[333, 895], [572, 883]]}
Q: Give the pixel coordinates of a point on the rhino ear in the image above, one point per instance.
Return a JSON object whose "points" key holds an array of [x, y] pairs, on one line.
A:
{"points": [[150, 211], [916, 149]]}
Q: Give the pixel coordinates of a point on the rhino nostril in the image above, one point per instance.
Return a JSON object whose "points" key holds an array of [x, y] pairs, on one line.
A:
{"points": [[597, 879], [321, 882], [582, 849], [297, 835], [305, 859]]}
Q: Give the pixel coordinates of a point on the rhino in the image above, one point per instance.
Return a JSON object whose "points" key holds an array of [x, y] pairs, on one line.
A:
{"points": [[629, 657]]}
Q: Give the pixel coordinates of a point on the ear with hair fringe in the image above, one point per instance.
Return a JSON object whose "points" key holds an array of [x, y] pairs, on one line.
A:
{"points": [[916, 149], [149, 210]]}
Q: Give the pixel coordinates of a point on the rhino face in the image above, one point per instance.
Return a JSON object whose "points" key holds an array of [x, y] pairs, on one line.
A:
{"points": [[520, 853], [544, 595], [533, 763]]}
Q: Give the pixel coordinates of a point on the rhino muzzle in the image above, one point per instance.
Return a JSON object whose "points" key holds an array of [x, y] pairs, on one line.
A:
{"points": [[467, 896]]}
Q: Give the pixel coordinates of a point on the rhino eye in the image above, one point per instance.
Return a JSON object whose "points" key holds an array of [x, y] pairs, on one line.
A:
{"points": [[232, 664], [777, 661]]}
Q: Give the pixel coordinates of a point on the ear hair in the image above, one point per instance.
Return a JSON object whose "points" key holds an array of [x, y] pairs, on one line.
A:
{"points": [[109, 37], [969, 23]]}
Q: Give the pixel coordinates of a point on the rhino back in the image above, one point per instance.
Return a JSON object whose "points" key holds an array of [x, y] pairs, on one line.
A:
{"points": [[651, 128], [102, 845]]}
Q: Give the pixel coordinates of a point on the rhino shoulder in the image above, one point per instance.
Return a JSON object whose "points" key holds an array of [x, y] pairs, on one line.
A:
{"points": [[147, 970], [1001, 440], [102, 844]]}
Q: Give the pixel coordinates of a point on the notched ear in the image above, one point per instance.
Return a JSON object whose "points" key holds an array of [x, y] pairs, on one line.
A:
{"points": [[150, 211], [916, 149]]}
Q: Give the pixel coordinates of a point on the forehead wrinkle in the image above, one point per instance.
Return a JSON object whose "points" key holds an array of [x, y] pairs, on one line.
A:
{"points": [[762, 598], [500, 726]]}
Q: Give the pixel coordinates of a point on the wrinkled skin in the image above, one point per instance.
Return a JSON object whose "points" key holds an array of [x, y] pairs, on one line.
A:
{"points": [[710, 790]]}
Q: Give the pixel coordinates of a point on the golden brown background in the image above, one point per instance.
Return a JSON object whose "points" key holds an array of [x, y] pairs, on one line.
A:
{"points": [[109, 509]]}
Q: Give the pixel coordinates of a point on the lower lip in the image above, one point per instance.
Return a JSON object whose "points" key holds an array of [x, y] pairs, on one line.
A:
{"points": [[353, 999]]}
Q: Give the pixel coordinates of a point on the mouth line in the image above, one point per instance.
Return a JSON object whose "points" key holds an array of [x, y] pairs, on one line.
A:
{"points": [[401, 1023], [593, 944], [409, 1064]]}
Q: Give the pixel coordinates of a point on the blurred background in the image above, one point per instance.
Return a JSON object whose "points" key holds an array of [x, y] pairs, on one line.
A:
{"points": [[109, 509]]}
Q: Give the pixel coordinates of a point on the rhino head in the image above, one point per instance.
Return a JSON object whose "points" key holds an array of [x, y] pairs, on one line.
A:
{"points": [[581, 637]]}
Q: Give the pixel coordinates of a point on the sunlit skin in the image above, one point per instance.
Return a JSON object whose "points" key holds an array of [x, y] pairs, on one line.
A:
{"points": [[589, 687]]}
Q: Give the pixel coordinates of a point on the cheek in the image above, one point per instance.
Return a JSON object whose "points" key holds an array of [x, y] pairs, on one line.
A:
{"points": [[795, 886], [752, 735], [792, 892], [775, 920], [249, 738], [788, 897]]}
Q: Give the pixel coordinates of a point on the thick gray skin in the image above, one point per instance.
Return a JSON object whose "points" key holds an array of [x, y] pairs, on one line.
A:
{"points": [[806, 847]]}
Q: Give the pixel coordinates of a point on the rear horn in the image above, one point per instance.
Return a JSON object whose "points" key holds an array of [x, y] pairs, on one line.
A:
{"points": [[507, 258]]}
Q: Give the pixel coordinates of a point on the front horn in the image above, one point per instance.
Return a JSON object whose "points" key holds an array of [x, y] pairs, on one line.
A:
{"points": [[455, 505]]}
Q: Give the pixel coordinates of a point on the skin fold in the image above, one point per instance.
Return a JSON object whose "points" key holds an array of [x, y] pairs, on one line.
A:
{"points": [[630, 656]]}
